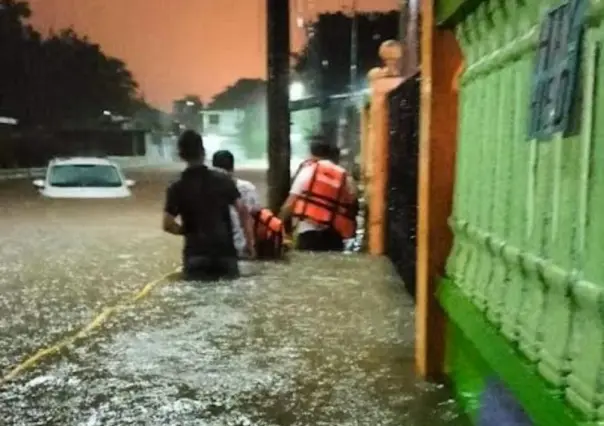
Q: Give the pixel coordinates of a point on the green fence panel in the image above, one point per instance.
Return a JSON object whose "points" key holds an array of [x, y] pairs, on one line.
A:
{"points": [[515, 240], [503, 127], [463, 214], [528, 215], [586, 387]]}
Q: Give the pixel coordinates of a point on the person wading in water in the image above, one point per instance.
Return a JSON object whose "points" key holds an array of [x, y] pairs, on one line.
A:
{"points": [[197, 207], [323, 200], [225, 161]]}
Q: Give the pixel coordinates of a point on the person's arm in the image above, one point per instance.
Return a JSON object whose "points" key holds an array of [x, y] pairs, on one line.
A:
{"points": [[246, 222], [253, 206], [352, 187], [249, 196], [171, 212], [254, 199], [171, 226], [235, 198], [287, 207], [297, 189]]}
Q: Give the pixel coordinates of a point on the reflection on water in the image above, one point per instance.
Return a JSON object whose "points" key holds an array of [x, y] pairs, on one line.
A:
{"points": [[325, 340]]}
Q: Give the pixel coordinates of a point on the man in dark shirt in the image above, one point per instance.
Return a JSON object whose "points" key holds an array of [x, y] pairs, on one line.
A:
{"points": [[201, 199]]}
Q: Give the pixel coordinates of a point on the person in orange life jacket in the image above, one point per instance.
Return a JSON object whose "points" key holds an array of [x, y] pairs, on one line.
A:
{"points": [[197, 207], [268, 228], [269, 232], [323, 198]]}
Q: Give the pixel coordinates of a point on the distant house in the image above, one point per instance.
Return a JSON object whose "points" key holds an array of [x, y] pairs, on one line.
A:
{"points": [[237, 116], [239, 113], [223, 122], [235, 108]]}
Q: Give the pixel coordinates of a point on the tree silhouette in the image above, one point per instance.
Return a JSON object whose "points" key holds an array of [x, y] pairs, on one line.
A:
{"points": [[19, 45], [324, 62], [239, 95], [61, 80]]}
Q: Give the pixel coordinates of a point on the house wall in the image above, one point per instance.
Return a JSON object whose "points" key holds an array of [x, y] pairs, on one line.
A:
{"points": [[223, 122]]}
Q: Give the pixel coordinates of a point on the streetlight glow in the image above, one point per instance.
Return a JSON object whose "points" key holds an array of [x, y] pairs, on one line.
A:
{"points": [[296, 91]]}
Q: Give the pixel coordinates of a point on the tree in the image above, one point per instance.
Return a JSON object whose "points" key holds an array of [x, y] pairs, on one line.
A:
{"points": [[323, 65], [19, 45], [93, 81], [240, 94], [61, 80]]}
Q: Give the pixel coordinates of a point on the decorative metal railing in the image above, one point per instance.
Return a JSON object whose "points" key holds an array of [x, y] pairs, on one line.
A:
{"points": [[529, 214]]}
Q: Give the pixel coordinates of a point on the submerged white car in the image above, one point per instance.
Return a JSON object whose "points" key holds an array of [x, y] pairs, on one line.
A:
{"points": [[83, 177]]}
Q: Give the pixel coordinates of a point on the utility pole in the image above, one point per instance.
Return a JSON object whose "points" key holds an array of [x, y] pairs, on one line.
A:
{"points": [[279, 149], [412, 40], [409, 36]]}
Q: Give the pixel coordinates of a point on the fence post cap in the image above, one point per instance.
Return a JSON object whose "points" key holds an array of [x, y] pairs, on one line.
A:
{"points": [[391, 53]]}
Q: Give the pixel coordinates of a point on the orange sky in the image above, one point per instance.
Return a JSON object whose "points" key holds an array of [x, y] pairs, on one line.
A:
{"points": [[177, 47]]}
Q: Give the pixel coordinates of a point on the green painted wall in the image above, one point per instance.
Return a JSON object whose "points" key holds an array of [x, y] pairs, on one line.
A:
{"points": [[529, 216]]}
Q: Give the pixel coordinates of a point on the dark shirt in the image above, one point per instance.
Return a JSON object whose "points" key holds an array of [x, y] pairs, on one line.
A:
{"points": [[201, 197]]}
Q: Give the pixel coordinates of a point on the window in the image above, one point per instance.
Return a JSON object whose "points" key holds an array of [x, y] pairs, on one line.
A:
{"points": [[214, 119], [84, 175]]}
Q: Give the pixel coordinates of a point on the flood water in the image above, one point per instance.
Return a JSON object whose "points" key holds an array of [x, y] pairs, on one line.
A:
{"points": [[321, 340]]}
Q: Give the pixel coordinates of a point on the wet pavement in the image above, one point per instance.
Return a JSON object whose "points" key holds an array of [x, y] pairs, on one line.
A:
{"points": [[327, 342]]}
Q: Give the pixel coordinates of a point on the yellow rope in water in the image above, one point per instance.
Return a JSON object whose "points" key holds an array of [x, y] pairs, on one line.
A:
{"points": [[42, 354]]}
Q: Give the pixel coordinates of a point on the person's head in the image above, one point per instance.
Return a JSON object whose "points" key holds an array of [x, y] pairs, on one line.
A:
{"points": [[190, 147], [224, 160], [320, 148]]}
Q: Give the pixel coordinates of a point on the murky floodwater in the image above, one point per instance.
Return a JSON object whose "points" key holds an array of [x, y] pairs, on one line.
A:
{"points": [[62, 261], [324, 340], [327, 340]]}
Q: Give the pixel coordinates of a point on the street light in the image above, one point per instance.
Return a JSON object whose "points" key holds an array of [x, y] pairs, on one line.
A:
{"points": [[107, 113], [190, 103], [296, 91]]}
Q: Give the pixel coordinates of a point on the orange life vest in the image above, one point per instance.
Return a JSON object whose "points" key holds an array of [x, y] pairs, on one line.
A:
{"points": [[269, 233], [327, 200]]}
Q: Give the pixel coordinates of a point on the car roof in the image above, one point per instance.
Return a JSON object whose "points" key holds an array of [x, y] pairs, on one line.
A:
{"points": [[92, 161]]}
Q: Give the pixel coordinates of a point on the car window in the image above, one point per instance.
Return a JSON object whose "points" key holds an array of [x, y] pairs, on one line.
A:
{"points": [[85, 175]]}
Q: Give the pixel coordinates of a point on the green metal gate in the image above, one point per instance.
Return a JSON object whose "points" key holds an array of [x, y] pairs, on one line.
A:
{"points": [[529, 214]]}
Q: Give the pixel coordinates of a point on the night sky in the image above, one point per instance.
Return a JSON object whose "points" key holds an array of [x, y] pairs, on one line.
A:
{"points": [[178, 47]]}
